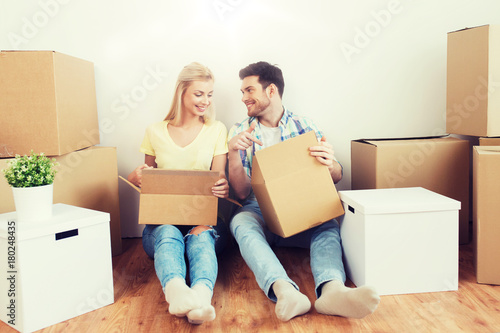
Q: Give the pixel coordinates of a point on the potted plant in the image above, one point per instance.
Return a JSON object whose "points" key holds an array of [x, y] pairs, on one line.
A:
{"points": [[31, 178]]}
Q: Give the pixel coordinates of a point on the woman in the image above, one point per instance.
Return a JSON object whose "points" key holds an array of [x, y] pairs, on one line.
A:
{"points": [[188, 139]]}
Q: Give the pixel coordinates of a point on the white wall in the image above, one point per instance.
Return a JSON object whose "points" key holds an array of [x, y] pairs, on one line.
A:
{"points": [[361, 69]]}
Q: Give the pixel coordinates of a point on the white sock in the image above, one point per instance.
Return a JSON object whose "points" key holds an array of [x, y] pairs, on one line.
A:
{"points": [[291, 302], [339, 300], [181, 299], [206, 312]]}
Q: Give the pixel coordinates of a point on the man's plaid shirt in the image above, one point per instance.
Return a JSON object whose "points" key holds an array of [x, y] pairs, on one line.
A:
{"points": [[291, 125]]}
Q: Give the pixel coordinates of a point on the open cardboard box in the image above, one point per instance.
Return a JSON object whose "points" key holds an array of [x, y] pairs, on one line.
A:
{"points": [[178, 197], [295, 192]]}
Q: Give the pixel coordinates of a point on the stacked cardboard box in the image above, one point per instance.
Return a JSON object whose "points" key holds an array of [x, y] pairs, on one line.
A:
{"points": [[472, 93], [486, 192], [473, 109], [439, 164], [48, 104], [442, 164], [489, 141]]}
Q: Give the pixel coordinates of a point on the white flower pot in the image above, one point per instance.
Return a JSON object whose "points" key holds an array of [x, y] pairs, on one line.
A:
{"points": [[33, 203]]}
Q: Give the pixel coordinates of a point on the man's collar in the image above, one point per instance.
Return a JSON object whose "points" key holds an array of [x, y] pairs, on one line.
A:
{"points": [[284, 118]]}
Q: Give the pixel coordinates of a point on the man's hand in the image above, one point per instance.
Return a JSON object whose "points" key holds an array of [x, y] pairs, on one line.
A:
{"points": [[244, 140], [238, 177], [325, 155], [323, 152]]}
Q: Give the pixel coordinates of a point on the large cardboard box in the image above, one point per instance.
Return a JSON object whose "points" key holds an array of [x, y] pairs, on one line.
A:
{"points": [[59, 268], [400, 240], [48, 103], [439, 164], [295, 192], [86, 178], [486, 212], [178, 197], [489, 141], [473, 71]]}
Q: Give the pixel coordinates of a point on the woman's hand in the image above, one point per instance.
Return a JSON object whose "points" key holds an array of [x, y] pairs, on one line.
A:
{"points": [[135, 176], [221, 188]]}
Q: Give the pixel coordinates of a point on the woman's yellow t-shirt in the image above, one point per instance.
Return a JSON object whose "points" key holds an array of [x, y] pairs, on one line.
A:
{"points": [[198, 155]]}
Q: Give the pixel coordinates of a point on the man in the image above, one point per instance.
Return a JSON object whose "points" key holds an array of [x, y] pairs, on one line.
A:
{"points": [[270, 123]]}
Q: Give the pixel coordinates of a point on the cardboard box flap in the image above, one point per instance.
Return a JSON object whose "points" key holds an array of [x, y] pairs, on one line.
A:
{"points": [[397, 200], [319, 194], [266, 206], [468, 28], [489, 141], [487, 149], [186, 182], [286, 157], [389, 141]]}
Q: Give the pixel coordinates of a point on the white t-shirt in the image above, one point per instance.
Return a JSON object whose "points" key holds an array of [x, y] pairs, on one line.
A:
{"points": [[270, 135]]}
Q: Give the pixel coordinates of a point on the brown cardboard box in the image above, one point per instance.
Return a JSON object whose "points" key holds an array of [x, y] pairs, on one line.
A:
{"points": [[489, 141], [486, 210], [295, 192], [180, 197], [87, 178], [439, 164], [473, 89], [48, 103]]}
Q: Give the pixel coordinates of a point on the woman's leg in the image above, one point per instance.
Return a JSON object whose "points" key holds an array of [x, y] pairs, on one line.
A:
{"points": [[203, 268], [165, 244]]}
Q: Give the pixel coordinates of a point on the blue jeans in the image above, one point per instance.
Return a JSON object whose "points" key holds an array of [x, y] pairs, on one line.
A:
{"points": [[255, 241], [169, 246]]}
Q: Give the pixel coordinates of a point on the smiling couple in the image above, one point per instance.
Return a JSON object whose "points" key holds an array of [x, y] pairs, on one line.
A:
{"points": [[190, 139]]}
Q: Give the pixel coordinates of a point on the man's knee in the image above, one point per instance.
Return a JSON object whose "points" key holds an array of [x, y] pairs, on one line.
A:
{"points": [[246, 222]]}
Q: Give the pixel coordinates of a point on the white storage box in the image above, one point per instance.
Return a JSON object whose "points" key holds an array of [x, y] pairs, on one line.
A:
{"points": [[400, 240], [54, 270]]}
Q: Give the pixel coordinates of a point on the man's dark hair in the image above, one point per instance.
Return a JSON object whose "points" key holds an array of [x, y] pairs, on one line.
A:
{"points": [[267, 74]]}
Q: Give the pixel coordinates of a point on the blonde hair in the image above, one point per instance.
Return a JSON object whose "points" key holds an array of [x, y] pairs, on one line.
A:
{"points": [[192, 72]]}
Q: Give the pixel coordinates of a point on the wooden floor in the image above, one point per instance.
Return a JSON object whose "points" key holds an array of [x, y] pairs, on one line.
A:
{"points": [[242, 307]]}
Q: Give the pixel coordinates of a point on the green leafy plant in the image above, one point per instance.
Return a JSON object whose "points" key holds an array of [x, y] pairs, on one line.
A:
{"points": [[30, 171]]}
